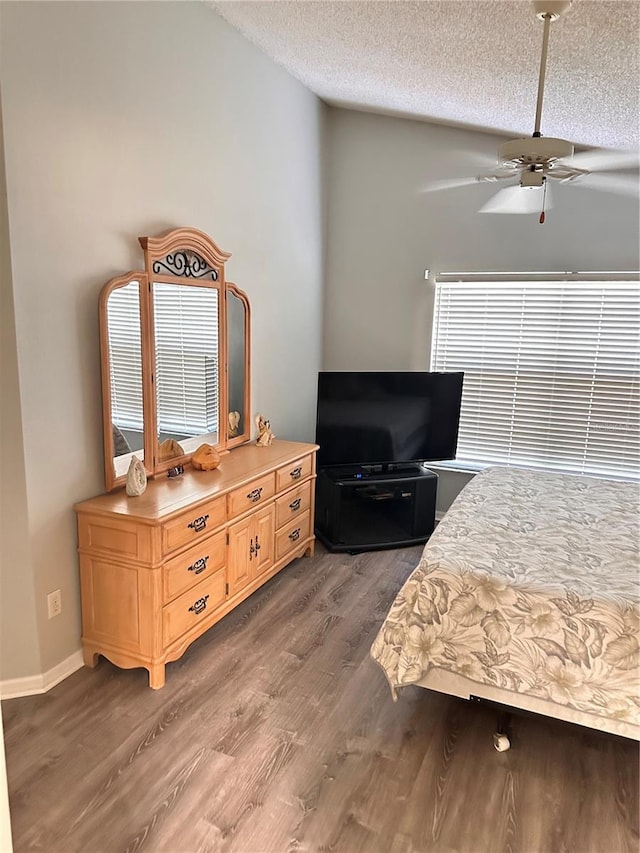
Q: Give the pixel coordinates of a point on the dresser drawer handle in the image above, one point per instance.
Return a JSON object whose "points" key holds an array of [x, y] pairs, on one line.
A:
{"points": [[199, 523], [253, 549], [296, 473], [199, 565], [255, 495], [199, 605], [295, 535], [294, 505]]}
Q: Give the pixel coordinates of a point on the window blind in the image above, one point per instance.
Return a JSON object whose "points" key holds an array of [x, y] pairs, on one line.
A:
{"points": [[551, 369], [186, 342], [125, 356]]}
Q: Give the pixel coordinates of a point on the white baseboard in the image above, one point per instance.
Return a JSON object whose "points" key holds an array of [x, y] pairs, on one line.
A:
{"points": [[13, 688]]}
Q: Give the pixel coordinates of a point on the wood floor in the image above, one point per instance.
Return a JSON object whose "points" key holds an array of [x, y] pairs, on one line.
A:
{"points": [[276, 733]]}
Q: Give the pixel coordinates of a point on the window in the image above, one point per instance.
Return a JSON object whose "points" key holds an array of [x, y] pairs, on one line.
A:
{"points": [[551, 369]]}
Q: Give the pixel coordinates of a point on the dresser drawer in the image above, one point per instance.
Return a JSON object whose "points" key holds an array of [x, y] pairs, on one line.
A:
{"points": [[253, 494], [194, 524], [293, 504], [200, 562], [193, 606], [289, 474], [292, 533]]}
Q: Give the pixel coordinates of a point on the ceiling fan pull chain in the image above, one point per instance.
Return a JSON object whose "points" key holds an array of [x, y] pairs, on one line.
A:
{"points": [[544, 199], [543, 67]]}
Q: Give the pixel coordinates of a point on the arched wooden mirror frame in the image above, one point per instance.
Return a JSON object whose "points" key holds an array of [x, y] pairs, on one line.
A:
{"points": [[183, 256]]}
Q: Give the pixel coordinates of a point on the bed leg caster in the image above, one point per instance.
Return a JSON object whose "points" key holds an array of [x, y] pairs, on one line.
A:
{"points": [[501, 742]]}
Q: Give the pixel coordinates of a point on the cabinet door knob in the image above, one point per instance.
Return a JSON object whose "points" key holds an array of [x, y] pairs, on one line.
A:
{"points": [[294, 505], [295, 535], [199, 523], [296, 473], [255, 494], [199, 565], [199, 605]]}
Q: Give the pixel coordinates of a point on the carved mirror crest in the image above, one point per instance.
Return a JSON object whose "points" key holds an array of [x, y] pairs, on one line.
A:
{"points": [[175, 356]]}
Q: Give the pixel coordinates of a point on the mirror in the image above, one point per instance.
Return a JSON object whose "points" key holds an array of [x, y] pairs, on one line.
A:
{"points": [[239, 365], [187, 376], [122, 387], [175, 357]]}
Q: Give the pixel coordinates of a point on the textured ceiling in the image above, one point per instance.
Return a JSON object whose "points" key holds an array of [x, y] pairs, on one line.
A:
{"points": [[466, 62]]}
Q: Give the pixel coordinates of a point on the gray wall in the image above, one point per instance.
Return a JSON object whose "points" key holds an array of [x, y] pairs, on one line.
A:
{"points": [[121, 120], [383, 232], [17, 595]]}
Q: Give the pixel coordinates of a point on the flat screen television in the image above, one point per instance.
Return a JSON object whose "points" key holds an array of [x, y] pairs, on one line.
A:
{"points": [[387, 419]]}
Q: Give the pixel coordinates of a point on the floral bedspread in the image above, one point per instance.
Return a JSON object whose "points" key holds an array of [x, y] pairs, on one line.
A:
{"points": [[530, 583]]}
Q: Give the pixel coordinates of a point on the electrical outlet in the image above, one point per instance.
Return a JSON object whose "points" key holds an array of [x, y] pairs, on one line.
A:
{"points": [[54, 603]]}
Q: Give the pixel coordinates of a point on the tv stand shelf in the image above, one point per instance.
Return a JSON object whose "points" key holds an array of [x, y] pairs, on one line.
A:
{"points": [[374, 507]]}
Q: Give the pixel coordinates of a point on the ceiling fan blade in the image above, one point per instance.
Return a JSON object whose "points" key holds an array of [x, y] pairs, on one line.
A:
{"points": [[500, 173], [618, 184], [450, 184], [518, 200], [475, 159], [605, 159]]}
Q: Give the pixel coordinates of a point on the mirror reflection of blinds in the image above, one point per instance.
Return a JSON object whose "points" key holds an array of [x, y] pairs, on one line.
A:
{"points": [[186, 341], [551, 369], [125, 357]]}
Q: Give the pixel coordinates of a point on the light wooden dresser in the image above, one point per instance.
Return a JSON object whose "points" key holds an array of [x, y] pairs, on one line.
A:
{"points": [[158, 570]]}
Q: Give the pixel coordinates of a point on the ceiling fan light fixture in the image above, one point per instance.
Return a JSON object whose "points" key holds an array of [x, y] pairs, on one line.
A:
{"points": [[512, 200], [532, 179]]}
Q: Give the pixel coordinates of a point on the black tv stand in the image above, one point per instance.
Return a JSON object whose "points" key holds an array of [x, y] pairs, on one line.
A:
{"points": [[374, 507]]}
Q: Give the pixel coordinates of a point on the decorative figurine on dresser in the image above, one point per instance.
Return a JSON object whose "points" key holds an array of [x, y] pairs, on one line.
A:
{"points": [[160, 567]]}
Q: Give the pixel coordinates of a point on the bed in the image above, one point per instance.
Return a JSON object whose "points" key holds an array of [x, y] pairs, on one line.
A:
{"points": [[527, 595]]}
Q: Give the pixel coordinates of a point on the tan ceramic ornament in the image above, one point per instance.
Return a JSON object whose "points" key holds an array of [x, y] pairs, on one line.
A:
{"points": [[205, 458], [136, 478], [234, 424], [169, 449], [265, 436]]}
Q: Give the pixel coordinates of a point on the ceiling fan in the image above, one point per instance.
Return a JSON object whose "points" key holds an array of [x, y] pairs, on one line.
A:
{"points": [[536, 160]]}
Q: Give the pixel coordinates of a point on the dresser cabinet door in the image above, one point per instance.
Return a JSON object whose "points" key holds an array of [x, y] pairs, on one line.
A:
{"points": [[237, 555], [263, 543], [250, 549]]}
